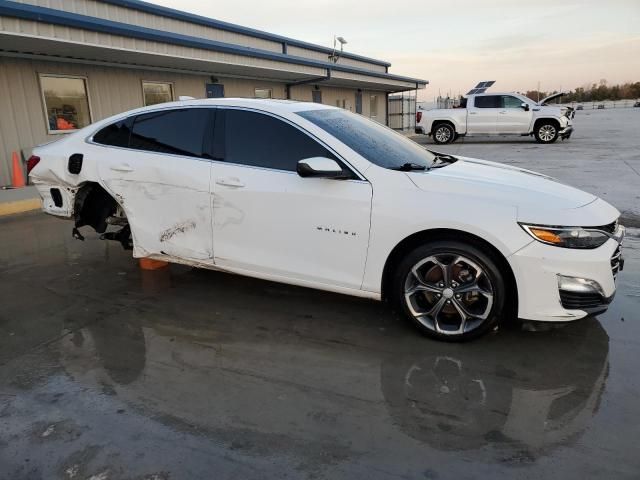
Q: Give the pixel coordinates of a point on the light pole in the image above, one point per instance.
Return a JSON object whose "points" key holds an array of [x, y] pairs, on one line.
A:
{"points": [[335, 55]]}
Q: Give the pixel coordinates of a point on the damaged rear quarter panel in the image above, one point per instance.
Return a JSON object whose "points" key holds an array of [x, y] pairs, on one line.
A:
{"points": [[166, 199]]}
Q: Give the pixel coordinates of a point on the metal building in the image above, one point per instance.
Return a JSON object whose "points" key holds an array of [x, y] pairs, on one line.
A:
{"points": [[67, 63]]}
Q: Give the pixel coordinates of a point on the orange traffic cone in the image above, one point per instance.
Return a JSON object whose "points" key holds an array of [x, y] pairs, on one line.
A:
{"points": [[150, 264], [17, 176]]}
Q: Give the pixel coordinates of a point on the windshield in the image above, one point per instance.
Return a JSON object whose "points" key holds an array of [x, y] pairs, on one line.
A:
{"points": [[375, 142]]}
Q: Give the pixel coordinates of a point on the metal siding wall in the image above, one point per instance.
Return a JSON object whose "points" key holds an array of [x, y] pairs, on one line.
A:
{"points": [[306, 53], [146, 46], [143, 19], [135, 17]]}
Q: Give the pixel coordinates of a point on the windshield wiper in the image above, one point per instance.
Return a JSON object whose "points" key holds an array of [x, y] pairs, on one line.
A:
{"points": [[442, 160], [409, 167]]}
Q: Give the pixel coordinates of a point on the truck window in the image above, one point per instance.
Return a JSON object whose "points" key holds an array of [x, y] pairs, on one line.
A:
{"points": [[487, 101], [510, 102]]}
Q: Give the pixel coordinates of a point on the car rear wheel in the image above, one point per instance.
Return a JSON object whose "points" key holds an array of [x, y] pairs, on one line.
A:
{"points": [[450, 290], [546, 132], [443, 133]]}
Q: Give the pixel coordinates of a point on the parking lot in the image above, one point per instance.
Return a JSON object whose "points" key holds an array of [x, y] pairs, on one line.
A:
{"points": [[110, 372]]}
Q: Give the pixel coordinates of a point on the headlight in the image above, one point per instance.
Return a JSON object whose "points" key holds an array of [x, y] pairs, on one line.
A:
{"points": [[567, 237]]}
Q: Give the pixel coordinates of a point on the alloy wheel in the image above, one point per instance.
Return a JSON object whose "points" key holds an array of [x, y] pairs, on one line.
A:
{"points": [[449, 294], [443, 134], [547, 133]]}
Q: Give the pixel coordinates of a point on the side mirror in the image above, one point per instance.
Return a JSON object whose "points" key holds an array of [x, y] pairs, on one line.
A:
{"points": [[525, 106], [321, 167]]}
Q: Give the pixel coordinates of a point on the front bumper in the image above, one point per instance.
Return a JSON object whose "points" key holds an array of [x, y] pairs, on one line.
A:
{"points": [[566, 132], [537, 268]]}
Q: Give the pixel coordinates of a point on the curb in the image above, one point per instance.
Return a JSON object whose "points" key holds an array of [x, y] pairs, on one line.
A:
{"points": [[20, 206]]}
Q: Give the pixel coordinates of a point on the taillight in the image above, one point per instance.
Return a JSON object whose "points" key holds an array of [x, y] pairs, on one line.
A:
{"points": [[418, 117], [32, 162]]}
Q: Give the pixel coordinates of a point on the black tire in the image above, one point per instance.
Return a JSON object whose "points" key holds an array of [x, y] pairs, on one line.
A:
{"points": [[546, 131], [466, 259], [443, 133]]}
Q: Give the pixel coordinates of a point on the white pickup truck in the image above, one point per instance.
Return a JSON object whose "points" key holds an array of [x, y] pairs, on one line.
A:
{"points": [[497, 114]]}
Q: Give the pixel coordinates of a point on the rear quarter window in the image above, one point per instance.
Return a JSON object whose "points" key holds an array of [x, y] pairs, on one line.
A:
{"points": [[115, 135]]}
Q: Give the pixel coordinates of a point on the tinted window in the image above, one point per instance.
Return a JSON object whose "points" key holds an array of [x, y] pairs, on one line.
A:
{"points": [[179, 132], [375, 142], [511, 102], [117, 134], [264, 141], [488, 101]]}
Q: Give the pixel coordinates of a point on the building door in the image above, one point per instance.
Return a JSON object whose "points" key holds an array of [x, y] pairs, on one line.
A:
{"points": [[316, 96], [215, 90], [359, 102]]}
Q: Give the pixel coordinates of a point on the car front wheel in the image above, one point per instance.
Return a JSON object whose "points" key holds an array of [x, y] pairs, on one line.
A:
{"points": [[450, 290], [546, 132]]}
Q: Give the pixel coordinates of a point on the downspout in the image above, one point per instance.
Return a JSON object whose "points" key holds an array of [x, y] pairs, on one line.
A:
{"points": [[386, 115], [304, 82]]}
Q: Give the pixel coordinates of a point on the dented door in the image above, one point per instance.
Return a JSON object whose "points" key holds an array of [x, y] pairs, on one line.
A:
{"points": [[162, 183]]}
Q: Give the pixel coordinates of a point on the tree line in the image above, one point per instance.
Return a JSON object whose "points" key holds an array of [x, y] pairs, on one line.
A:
{"points": [[594, 92]]}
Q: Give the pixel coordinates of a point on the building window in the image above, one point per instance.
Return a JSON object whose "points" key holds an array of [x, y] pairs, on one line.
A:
{"points": [[66, 103], [262, 93], [157, 92], [373, 106]]}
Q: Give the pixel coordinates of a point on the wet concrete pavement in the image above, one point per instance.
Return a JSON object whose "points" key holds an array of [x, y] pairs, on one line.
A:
{"points": [[108, 372]]}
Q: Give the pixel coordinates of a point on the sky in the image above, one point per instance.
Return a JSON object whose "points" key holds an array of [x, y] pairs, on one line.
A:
{"points": [[457, 43]]}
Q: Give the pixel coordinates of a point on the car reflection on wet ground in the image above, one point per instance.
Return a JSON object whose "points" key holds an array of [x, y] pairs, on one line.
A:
{"points": [[113, 372]]}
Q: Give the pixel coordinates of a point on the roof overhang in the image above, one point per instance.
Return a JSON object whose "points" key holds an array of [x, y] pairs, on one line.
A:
{"points": [[188, 54]]}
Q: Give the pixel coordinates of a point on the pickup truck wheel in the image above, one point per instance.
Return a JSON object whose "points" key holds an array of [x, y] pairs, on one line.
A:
{"points": [[546, 132], [450, 290], [443, 133]]}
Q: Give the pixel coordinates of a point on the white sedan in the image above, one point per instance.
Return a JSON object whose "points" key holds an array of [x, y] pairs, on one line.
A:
{"points": [[316, 196]]}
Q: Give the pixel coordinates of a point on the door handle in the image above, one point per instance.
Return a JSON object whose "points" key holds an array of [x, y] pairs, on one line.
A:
{"points": [[472, 113], [230, 182], [503, 112], [122, 168]]}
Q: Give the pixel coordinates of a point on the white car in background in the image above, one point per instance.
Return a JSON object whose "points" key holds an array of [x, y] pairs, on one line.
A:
{"points": [[316, 196], [497, 114]]}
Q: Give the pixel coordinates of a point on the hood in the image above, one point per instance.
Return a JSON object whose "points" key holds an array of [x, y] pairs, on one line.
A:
{"points": [[495, 182], [545, 100]]}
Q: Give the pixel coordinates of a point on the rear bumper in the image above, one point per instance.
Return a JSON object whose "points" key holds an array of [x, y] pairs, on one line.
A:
{"points": [[419, 130], [539, 267], [62, 204]]}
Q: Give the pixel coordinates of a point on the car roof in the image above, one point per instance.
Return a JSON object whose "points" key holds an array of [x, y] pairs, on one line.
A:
{"points": [[270, 104], [275, 106]]}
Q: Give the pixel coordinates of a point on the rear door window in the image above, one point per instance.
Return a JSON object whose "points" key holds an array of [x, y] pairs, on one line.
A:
{"points": [[488, 101], [177, 132]]}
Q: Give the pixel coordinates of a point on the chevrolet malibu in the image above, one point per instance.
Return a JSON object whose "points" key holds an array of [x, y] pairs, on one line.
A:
{"points": [[316, 196]]}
